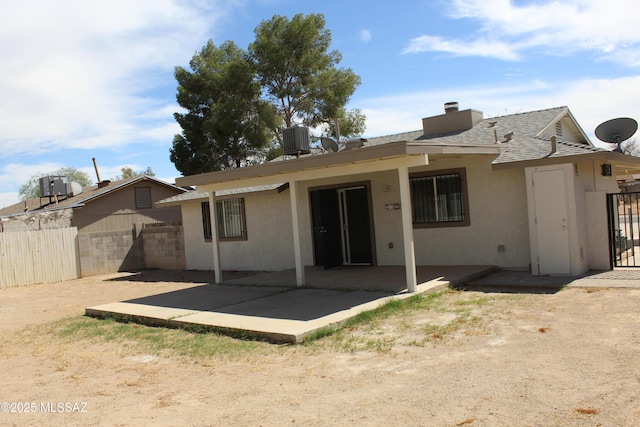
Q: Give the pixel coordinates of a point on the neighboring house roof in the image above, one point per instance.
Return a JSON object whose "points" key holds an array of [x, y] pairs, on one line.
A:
{"points": [[87, 195]]}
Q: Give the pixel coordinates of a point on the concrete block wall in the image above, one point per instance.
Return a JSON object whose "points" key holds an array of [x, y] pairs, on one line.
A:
{"points": [[108, 252], [164, 247]]}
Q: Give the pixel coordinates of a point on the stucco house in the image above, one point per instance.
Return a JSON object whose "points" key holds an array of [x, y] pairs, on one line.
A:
{"points": [[108, 216], [524, 191]]}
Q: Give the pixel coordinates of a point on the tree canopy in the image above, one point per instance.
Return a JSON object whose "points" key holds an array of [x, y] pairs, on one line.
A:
{"points": [[226, 123], [236, 102], [297, 71], [128, 172], [31, 188]]}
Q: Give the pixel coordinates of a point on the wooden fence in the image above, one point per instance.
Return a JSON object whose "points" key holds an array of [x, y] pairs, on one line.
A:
{"points": [[43, 256]]}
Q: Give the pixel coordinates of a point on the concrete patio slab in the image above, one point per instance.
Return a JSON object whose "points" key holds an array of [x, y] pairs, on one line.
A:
{"points": [[260, 306], [149, 313]]}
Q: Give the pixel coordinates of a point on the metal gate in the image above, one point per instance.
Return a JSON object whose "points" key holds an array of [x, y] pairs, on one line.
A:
{"points": [[624, 229]]}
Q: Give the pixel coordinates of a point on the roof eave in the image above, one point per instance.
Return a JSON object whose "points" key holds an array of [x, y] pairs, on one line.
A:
{"points": [[621, 161], [300, 164], [382, 151]]}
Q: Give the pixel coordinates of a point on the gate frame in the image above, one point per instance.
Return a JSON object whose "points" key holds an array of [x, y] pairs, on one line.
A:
{"points": [[616, 249]]}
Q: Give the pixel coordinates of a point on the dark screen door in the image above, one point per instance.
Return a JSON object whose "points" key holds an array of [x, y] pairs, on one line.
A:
{"points": [[356, 226], [327, 240]]}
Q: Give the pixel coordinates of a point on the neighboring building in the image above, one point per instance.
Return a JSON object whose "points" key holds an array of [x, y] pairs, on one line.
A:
{"points": [[524, 191], [108, 217], [629, 183]]}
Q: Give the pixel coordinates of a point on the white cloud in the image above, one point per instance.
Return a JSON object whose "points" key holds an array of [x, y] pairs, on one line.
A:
{"points": [[365, 35], [480, 47], [8, 199], [75, 74], [607, 28], [592, 101]]}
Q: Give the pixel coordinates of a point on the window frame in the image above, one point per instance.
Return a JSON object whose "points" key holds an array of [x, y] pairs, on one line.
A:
{"points": [[206, 220], [466, 220]]}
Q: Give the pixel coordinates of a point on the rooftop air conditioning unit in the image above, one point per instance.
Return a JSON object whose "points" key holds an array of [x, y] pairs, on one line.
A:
{"points": [[296, 140], [53, 186]]}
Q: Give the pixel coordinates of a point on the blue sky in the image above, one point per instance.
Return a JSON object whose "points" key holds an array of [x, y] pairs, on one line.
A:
{"points": [[84, 79]]}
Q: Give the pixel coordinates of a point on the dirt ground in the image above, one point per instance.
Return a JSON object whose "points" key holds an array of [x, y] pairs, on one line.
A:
{"points": [[570, 358]]}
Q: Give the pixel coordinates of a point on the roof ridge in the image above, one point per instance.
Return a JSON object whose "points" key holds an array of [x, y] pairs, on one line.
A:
{"points": [[528, 112]]}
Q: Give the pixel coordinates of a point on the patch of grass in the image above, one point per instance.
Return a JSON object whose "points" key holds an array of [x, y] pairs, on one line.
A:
{"points": [[188, 343], [461, 321], [396, 307], [479, 302], [367, 331]]}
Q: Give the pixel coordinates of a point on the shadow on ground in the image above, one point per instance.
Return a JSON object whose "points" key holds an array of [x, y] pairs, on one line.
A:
{"points": [[518, 282], [262, 301], [181, 276]]}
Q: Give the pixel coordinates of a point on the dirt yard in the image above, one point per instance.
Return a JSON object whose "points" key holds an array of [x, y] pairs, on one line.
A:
{"points": [[571, 358]]}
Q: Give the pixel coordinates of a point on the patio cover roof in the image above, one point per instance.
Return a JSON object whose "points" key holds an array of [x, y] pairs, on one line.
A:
{"points": [[369, 159]]}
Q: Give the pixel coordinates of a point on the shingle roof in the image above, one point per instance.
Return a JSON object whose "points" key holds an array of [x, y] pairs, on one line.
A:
{"points": [[524, 142], [528, 148], [88, 194]]}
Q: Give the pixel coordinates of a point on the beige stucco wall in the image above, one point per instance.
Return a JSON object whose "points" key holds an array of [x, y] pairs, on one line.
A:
{"points": [[586, 192], [498, 213], [596, 188], [269, 244], [502, 216], [498, 217]]}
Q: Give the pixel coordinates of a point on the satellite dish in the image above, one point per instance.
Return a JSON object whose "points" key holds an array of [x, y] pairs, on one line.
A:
{"points": [[329, 144], [616, 131]]}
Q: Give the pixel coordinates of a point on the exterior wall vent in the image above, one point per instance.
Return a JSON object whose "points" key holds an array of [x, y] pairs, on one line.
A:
{"points": [[296, 140], [558, 128]]}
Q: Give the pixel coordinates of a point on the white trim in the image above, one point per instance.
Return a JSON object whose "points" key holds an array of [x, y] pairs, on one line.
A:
{"points": [[407, 230], [295, 222], [213, 217]]}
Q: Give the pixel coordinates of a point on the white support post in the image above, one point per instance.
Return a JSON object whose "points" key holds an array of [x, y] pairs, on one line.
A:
{"points": [[217, 265], [293, 192], [407, 229]]}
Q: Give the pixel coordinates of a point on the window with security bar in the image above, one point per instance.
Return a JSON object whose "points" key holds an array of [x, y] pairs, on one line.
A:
{"points": [[439, 199], [231, 219]]}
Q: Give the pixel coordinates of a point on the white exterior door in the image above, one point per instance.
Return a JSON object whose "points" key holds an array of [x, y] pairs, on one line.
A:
{"points": [[551, 222]]}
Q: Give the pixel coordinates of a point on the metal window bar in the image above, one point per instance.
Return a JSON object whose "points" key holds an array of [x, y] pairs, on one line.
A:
{"points": [[230, 218], [206, 220], [437, 198]]}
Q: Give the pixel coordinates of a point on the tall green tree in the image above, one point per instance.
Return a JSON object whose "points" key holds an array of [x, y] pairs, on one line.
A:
{"points": [[235, 102], [226, 124], [298, 72], [350, 124], [31, 188]]}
